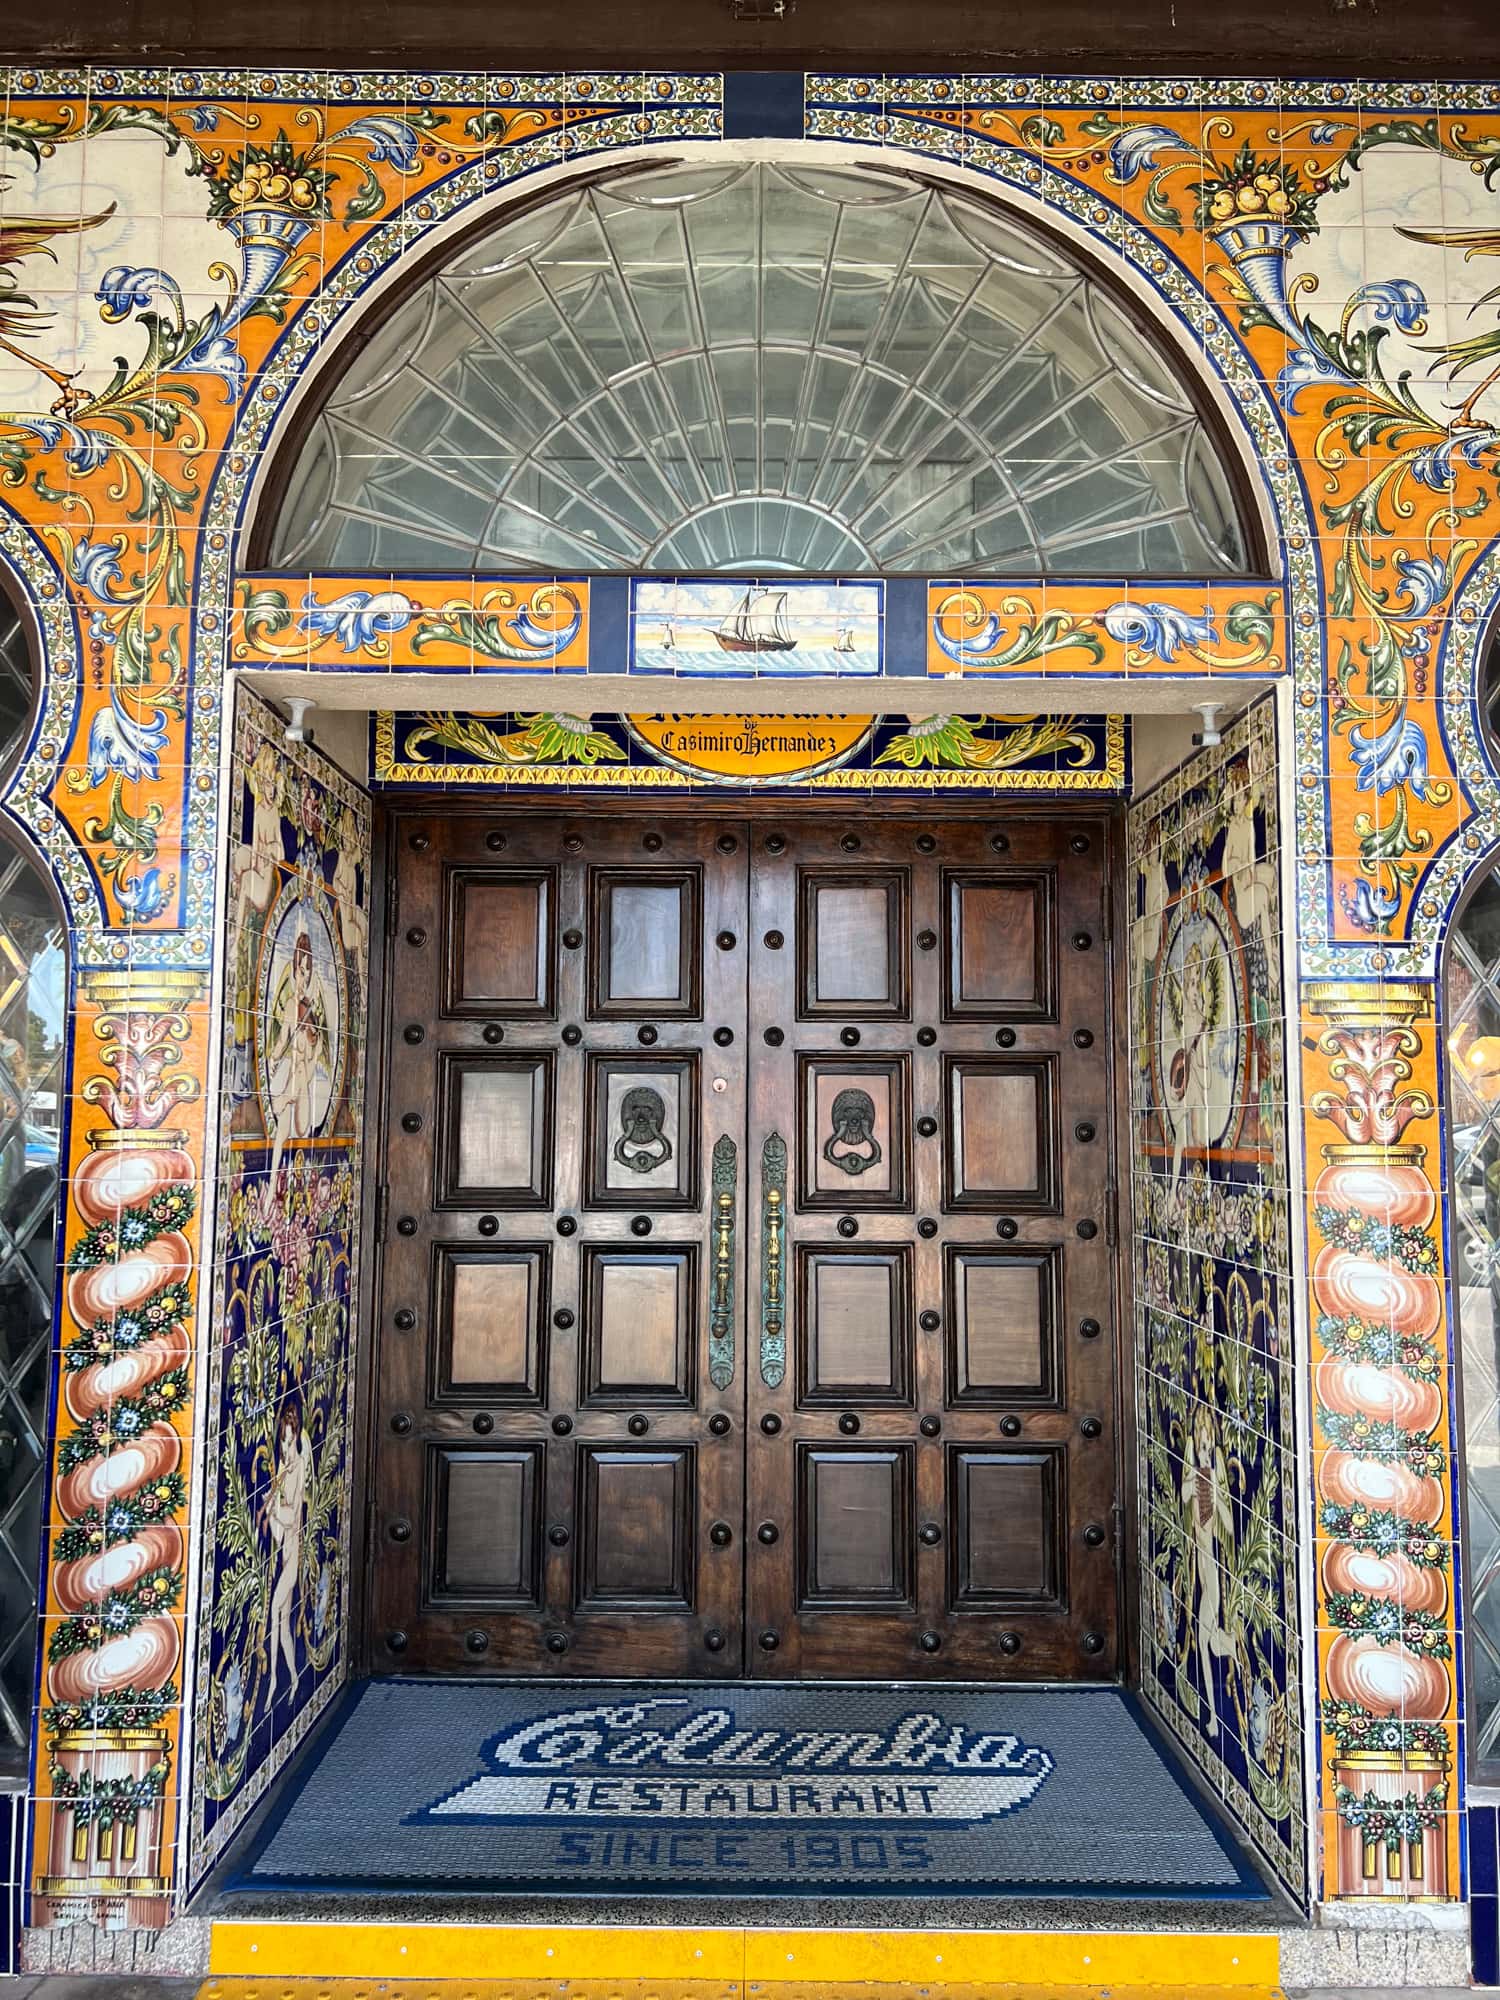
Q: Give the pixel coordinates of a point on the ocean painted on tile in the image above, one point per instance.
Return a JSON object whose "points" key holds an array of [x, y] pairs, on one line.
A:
{"points": [[769, 625]]}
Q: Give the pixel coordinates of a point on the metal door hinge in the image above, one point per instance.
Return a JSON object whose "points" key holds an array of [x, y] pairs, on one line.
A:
{"points": [[392, 902], [382, 1210], [1111, 1215]]}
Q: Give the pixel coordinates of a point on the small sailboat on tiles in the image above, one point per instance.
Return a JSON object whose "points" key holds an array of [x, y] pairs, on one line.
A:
{"points": [[757, 624]]}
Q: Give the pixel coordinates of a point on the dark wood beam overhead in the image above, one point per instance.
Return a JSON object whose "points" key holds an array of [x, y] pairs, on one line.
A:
{"points": [[1364, 38]]}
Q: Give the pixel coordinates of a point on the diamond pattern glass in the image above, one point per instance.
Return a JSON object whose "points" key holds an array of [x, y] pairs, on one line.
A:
{"points": [[762, 368], [1473, 1000], [33, 1013]]}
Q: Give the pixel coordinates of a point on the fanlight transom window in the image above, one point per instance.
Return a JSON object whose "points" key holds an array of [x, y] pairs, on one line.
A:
{"points": [[762, 367]]}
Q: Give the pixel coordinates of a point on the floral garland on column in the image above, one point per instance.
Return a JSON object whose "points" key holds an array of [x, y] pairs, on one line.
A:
{"points": [[1378, 1304], [117, 1577]]}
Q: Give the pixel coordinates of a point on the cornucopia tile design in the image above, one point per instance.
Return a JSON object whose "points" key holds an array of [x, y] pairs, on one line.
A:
{"points": [[1322, 255]]}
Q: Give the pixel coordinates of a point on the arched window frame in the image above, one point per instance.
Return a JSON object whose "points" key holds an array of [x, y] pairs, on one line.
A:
{"points": [[322, 385]]}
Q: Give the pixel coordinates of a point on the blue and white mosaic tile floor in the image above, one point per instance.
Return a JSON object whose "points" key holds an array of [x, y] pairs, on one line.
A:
{"points": [[596, 1789]]}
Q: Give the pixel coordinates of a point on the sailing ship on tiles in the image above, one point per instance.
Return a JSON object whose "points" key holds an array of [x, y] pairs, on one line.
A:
{"points": [[771, 625]]}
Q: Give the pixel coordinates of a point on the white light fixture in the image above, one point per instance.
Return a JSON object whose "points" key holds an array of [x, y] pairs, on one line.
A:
{"points": [[1208, 736], [297, 730]]}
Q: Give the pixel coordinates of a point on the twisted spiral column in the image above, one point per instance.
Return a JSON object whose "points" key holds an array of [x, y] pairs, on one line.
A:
{"points": [[1380, 1409], [127, 1303]]}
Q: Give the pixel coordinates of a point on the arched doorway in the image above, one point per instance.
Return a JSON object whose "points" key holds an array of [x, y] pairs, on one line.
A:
{"points": [[750, 1180], [33, 1017]]}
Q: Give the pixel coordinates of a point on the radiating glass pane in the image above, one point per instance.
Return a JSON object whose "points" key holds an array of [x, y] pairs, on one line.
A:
{"points": [[33, 1011], [752, 366]]}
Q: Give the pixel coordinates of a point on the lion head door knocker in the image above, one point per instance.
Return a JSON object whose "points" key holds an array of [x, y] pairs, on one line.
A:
{"points": [[852, 1146], [642, 1144]]}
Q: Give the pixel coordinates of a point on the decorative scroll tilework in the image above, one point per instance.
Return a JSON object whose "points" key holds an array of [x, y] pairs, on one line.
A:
{"points": [[373, 622], [859, 753], [1321, 254], [1078, 629]]}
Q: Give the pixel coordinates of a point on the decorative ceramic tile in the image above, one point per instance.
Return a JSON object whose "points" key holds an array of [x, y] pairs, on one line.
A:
{"points": [[1215, 1404], [845, 753], [1212, 628], [1317, 255], [775, 626], [365, 623], [272, 1645]]}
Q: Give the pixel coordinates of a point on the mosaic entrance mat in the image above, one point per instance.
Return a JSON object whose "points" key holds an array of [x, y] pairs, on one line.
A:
{"points": [[595, 1788]]}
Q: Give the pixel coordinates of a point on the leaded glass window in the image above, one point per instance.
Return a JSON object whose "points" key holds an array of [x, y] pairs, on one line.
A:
{"points": [[33, 1010], [1473, 1004], [762, 367]]}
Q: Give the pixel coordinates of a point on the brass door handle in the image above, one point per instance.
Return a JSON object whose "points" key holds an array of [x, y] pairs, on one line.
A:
{"points": [[721, 1288], [772, 1260]]}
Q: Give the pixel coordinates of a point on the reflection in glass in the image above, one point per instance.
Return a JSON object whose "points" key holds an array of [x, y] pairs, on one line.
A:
{"points": [[1473, 1005], [762, 368], [33, 1009]]}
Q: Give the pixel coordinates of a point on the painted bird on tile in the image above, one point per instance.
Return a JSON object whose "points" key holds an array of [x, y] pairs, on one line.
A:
{"points": [[1477, 348], [21, 318]]}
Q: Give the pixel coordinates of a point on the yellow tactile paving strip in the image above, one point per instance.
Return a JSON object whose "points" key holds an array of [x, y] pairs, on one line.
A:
{"points": [[678, 1989], [395, 1961]]}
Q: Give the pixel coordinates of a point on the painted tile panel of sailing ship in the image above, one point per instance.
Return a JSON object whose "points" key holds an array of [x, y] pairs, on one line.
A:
{"points": [[802, 627], [757, 625]]}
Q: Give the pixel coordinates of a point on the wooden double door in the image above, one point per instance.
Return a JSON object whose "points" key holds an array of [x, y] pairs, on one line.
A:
{"points": [[747, 1254]]}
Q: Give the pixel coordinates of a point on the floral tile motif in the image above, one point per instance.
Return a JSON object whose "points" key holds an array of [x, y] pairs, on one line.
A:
{"points": [[362, 623], [845, 753], [272, 1645], [1220, 1613], [1321, 251], [1215, 628]]}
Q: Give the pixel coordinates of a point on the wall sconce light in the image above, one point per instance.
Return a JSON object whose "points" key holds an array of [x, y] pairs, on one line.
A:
{"points": [[297, 731], [1208, 736]]}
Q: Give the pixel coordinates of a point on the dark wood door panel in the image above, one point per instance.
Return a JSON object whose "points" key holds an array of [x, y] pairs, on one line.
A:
{"points": [[484, 1516], [853, 1112], [494, 1130], [637, 1515], [747, 1291], [853, 1315], [502, 950], [490, 1318], [641, 1327], [853, 939], [855, 1507], [931, 1459], [999, 945], [1008, 1528], [553, 1447], [645, 943], [1001, 1114], [1003, 1316]]}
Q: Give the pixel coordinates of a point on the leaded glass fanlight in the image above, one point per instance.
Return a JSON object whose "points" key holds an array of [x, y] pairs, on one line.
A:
{"points": [[762, 367], [33, 1009]]}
